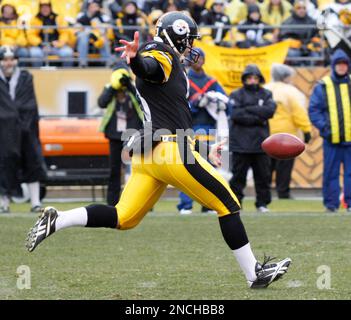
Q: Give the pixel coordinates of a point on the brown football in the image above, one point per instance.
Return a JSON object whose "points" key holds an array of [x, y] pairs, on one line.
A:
{"points": [[283, 146]]}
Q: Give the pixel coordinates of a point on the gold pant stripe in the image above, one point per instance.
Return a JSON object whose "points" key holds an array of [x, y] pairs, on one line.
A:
{"points": [[345, 98]]}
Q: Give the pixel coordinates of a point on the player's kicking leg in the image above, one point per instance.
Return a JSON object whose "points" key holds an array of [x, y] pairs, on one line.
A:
{"points": [[203, 183]]}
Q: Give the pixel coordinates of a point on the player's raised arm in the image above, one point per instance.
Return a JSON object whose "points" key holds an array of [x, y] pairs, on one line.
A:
{"points": [[143, 67], [130, 48]]}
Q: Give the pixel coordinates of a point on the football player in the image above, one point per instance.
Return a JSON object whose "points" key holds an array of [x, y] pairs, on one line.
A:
{"points": [[174, 158]]}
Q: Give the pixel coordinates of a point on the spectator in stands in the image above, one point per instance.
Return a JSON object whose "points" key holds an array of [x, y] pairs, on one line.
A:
{"points": [[152, 19], [274, 12], [27, 10], [86, 3], [337, 5], [305, 42], [215, 16], [196, 7], [171, 6], [127, 19], [237, 9], [122, 112], [252, 106], [15, 37], [337, 27], [253, 32], [290, 117], [49, 41], [150, 5], [115, 7], [20, 153], [94, 37], [208, 107], [330, 113], [69, 9]]}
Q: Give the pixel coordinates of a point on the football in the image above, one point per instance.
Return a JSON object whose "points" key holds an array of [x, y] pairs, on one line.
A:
{"points": [[283, 146]]}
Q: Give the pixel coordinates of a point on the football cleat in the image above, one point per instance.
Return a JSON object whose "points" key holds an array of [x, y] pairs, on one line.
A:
{"points": [[267, 273], [44, 227]]}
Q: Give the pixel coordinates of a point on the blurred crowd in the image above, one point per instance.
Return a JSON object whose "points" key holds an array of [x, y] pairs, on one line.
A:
{"points": [[84, 28]]}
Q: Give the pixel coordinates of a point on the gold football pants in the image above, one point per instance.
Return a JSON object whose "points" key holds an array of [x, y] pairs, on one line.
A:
{"points": [[177, 164]]}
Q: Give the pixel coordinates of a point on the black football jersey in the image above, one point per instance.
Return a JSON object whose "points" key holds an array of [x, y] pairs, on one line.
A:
{"points": [[165, 104]]}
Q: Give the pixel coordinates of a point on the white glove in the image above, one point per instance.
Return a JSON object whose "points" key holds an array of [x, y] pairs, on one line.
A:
{"points": [[203, 101], [217, 96], [222, 106], [251, 35]]}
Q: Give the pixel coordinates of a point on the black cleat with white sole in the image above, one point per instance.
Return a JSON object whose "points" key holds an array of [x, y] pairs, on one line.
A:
{"points": [[44, 227], [267, 273]]}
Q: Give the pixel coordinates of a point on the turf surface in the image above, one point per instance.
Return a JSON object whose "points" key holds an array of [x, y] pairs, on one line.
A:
{"points": [[169, 256]]}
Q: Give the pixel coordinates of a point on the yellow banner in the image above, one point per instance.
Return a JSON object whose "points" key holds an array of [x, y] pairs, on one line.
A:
{"points": [[227, 64]]}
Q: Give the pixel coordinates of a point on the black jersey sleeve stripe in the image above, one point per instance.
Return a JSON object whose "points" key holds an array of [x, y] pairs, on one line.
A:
{"points": [[205, 178]]}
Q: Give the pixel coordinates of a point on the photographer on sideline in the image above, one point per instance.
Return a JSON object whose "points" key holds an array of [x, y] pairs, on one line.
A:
{"points": [[122, 112]]}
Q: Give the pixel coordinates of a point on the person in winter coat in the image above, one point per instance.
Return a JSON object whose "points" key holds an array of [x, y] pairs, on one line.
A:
{"points": [[49, 41], [253, 32], [330, 113], [290, 117], [130, 16], [215, 16], [274, 12], [10, 139], [304, 42], [122, 112], [252, 106], [91, 37], [12, 36], [20, 153]]}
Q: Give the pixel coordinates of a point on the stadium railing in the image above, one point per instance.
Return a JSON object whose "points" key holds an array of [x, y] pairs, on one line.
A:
{"points": [[145, 32]]}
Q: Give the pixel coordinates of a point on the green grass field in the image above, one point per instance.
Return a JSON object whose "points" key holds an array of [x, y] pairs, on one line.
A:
{"points": [[169, 256]]}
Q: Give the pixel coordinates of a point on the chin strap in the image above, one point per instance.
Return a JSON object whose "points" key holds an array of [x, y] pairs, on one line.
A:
{"points": [[170, 42]]}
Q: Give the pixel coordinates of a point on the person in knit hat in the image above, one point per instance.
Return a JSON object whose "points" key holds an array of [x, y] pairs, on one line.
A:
{"points": [[290, 117]]}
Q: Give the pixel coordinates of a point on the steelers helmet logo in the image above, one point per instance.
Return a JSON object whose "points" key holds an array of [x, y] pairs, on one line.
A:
{"points": [[180, 27]]}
